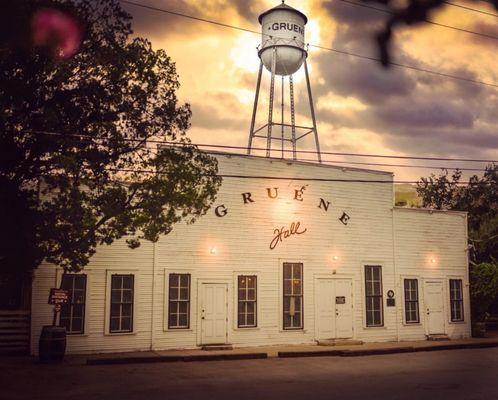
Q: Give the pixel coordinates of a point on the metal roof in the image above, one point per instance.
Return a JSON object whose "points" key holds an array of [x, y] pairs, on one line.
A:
{"points": [[283, 6]]}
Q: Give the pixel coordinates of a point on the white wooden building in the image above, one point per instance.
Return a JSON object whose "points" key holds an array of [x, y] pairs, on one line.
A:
{"points": [[275, 261]]}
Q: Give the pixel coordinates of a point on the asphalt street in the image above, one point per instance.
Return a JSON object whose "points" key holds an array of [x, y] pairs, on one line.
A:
{"points": [[456, 374]]}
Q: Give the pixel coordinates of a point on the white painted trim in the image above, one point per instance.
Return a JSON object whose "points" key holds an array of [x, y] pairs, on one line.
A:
{"points": [[235, 294], [136, 289], [193, 290], [464, 299], [304, 315], [403, 310], [364, 294]]}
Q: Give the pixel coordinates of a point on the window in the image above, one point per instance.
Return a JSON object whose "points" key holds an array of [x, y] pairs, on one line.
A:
{"points": [[247, 301], [293, 296], [373, 291], [72, 314], [121, 303], [411, 301], [456, 300], [179, 301]]}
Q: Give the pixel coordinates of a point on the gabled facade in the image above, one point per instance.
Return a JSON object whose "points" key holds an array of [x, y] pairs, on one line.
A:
{"points": [[306, 257]]}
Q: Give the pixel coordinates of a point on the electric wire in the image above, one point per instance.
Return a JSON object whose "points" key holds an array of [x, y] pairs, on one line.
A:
{"points": [[353, 3], [364, 57], [471, 9], [217, 146], [287, 178]]}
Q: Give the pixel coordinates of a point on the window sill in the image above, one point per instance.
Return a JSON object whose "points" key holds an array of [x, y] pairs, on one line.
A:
{"points": [[70, 335], [296, 330], [249, 328], [412, 324], [374, 327], [457, 322], [178, 330], [120, 333]]}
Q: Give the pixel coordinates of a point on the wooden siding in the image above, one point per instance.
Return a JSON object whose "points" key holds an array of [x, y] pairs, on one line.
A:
{"points": [[242, 240]]}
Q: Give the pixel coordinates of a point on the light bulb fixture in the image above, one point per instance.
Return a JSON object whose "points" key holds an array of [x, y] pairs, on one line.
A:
{"points": [[212, 250], [433, 260], [335, 258]]}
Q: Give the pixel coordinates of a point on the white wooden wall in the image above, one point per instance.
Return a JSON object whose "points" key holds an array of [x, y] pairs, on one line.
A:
{"points": [[242, 238]]}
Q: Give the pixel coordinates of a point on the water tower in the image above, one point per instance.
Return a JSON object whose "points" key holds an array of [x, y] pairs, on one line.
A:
{"points": [[282, 53]]}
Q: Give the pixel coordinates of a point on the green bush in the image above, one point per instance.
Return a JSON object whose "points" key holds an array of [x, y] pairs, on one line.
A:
{"points": [[483, 288]]}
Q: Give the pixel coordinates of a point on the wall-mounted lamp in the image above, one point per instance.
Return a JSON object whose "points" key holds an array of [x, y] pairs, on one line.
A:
{"points": [[335, 258], [212, 250], [433, 261]]}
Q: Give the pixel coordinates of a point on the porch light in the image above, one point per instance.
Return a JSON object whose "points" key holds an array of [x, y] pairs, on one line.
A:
{"points": [[212, 250]]}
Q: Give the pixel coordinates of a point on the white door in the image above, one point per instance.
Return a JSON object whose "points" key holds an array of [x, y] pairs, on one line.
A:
{"points": [[343, 308], [325, 318], [214, 313], [434, 304], [334, 309]]}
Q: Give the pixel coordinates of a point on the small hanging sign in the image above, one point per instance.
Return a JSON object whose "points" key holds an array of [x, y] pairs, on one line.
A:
{"points": [[58, 296]]}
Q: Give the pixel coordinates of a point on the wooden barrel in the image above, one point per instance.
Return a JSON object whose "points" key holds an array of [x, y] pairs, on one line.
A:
{"points": [[52, 345]]}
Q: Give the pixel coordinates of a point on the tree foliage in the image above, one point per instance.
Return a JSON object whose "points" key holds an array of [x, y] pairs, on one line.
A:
{"points": [[483, 288], [415, 12], [479, 198], [78, 162]]}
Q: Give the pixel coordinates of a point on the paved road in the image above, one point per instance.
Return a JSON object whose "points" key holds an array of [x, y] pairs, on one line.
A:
{"points": [[461, 374]]}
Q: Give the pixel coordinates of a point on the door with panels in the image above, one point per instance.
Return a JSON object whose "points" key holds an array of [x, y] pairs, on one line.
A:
{"points": [[214, 313], [333, 308], [434, 307]]}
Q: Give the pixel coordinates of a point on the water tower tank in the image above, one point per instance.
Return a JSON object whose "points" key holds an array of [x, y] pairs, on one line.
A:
{"points": [[283, 30]]}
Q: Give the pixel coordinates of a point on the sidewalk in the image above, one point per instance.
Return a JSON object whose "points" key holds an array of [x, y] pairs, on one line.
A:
{"points": [[284, 351]]}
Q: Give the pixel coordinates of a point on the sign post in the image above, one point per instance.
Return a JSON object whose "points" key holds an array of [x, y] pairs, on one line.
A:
{"points": [[57, 298]]}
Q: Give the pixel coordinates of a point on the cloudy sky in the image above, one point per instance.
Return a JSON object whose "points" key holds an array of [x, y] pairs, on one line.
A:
{"points": [[361, 107]]}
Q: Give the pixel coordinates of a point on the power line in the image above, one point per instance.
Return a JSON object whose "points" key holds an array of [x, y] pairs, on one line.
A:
{"points": [[286, 178], [170, 143], [364, 57], [425, 20], [471, 9]]}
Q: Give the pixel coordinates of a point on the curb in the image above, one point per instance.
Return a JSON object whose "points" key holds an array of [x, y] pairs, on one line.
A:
{"points": [[165, 359], [377, 352], [289, 354], [324, 353], [385, 351]]}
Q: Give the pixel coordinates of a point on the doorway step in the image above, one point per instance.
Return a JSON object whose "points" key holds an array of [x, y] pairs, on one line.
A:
{"points": [[211, 347], [437, 338], [339, 342]]}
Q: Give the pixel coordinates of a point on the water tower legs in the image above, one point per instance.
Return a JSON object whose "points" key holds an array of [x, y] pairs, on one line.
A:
{"points": [[312, 109], [294, 129]]}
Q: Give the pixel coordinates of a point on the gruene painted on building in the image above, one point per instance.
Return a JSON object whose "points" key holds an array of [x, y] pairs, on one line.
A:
{"points": [[274, 262]]}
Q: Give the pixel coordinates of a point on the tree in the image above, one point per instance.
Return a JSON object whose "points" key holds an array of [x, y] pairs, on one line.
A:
{"points": [[414, 12], [82, 107], [479, 198], [484, 288]]}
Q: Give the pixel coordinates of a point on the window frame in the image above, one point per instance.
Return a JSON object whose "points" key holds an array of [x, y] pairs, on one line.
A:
{"points": [[247, 300], [460, 300], [301, 296], [179, 300], [112, 274], [71, 303], [381, 296], [417, 301]]}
